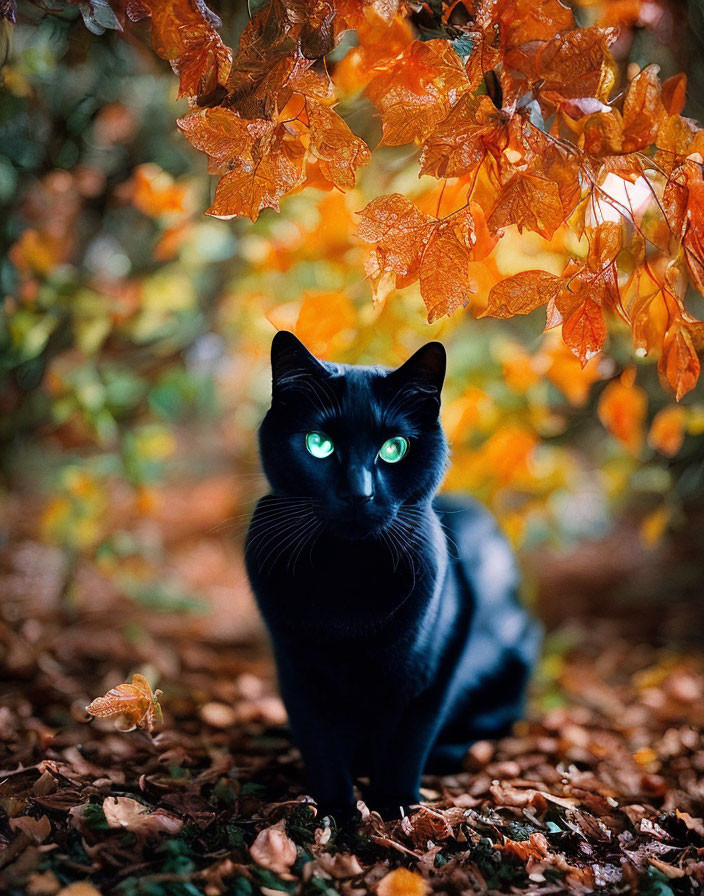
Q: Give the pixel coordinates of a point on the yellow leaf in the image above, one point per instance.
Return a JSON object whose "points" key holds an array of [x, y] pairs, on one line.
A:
{"points": [[654, 527], [645, 756]]}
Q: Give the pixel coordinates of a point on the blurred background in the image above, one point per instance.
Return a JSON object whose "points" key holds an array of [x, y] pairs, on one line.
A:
{"points": [[134, 371], [134, 345]]}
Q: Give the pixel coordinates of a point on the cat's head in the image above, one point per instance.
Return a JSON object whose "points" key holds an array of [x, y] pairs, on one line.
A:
{"points": [[359, 442]]}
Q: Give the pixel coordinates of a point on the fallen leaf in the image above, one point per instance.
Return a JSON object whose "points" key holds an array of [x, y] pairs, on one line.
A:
{"points": [[273, 849], [340, 865], [80, 888], [124, 812], [402, 882], [135, 702], [37, 829]]}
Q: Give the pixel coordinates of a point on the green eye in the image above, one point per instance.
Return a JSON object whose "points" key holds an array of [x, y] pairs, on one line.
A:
{"points": [[319, 445], [393, 449]]}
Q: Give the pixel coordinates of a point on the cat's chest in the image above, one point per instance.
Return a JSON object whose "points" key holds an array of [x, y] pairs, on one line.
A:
{"points": [[336, 593]]}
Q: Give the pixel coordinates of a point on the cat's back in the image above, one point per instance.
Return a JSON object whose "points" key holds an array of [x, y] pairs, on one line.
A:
{"points": [[483, 565], [501, 634], [475, 541]]}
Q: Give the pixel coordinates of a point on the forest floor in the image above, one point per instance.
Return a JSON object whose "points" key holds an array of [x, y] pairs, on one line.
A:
{"points": [[600, 790]]}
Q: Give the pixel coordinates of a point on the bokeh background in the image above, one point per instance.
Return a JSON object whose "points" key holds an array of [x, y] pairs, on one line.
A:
{"points": [[134, 345]]}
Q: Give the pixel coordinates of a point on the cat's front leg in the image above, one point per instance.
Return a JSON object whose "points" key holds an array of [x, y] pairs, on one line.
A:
{"points": [[323, 730], [399, 756]]}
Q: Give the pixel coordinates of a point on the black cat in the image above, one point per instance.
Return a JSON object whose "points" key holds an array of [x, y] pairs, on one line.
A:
{"points": [[396, 629]]}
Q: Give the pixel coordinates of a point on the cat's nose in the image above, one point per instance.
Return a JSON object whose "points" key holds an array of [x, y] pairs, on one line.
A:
{"points": [[359, 500], [360, 487]]}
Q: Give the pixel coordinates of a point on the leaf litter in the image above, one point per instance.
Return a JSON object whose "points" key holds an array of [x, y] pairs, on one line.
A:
{"points": [[600, 790]]}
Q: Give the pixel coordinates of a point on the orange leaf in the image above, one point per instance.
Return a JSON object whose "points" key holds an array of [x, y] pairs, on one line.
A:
{"points": [[583, 326], [135, 702], [522, 21], [400, 231], [379, 43], [530, 202], [417, 90], [252, 187], [605, 242], [522, 293], [225, 137], [622, 410], [642, 110], [667, 430], [694, 225], [602, 133], [563, 171], [185, 34], [679, 363], [271, 61], [578, 63], [402, 882], [460, 142], [444, 281], [674, 94], [323, 317], [337, 149]]}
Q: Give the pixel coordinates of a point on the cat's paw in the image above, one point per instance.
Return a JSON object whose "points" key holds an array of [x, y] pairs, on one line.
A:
{"points": [[391, 808], [345, 815]]}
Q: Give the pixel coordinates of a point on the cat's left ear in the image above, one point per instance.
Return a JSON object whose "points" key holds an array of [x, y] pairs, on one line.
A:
{"points": [[290, 358], [424, 369]]}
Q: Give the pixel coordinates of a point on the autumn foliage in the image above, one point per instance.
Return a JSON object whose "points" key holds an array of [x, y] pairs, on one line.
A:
{"points": [[135, 705], [521, 117]]}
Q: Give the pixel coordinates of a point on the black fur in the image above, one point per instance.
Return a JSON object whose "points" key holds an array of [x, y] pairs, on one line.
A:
{"points": [[396, 629]]}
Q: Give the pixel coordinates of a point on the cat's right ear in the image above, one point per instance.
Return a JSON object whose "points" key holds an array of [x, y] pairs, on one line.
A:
{"points": [[290, 360]]}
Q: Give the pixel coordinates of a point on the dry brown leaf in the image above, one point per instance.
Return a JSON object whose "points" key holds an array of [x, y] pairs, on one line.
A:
{"points": [[124, 812], [37, 829], [341, 865], [273, 849], [135, 703], [671, 871]]}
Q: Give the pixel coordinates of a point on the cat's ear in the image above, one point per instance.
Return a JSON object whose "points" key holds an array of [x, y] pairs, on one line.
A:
{"points": [[290, 358], [424, 369], [421, 377]]}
